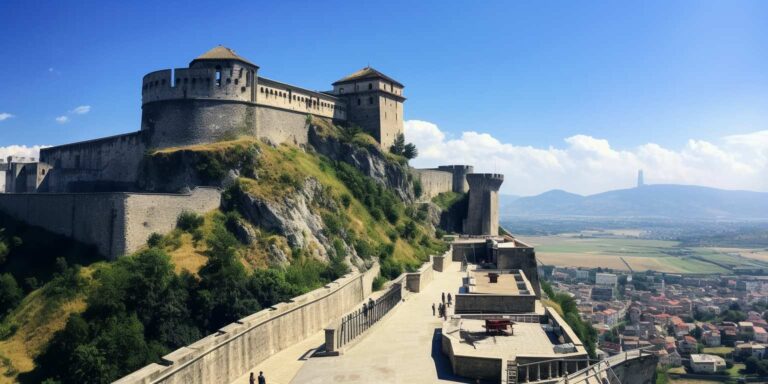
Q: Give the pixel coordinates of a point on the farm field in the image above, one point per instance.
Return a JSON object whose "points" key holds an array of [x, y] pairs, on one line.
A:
{"points": [[639, 254]]}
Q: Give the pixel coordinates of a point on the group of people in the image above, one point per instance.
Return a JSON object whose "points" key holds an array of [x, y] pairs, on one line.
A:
{"points": [[368, 307], [261, 378], [442, 308]]}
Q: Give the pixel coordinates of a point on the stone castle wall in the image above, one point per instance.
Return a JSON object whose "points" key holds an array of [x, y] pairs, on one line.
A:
{"points": [[107, 164], [433, 182], [115, 223], [228, 354]]}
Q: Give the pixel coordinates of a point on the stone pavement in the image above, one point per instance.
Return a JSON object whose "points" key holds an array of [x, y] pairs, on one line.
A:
{"points": [[402, 348]]}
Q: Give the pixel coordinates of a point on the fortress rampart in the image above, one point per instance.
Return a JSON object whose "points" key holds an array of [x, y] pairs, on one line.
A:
{"points": [[483, 211], [459, 173], [115, 223], [227, 354]]}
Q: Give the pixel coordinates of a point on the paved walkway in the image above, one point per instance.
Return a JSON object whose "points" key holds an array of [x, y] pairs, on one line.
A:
{"points": [[403, 348]]}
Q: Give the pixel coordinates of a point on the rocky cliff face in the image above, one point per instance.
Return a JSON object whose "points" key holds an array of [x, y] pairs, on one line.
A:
{"points": [[368, 159], [294, 216]]}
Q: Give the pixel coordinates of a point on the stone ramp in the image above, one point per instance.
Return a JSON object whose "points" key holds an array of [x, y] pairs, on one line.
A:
{"points": [[404, 348]]}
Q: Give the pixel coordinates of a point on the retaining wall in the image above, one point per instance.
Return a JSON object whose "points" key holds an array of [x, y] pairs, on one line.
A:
{"points": [[232, 351], [433, 182], [116, 223]]}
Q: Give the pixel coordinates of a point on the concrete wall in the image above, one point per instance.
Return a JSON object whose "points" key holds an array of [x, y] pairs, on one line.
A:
{"points": [[2, 180], [519, 257], [238, 347], [483, 210], [473, 252], [482, 303], [416, 281], [640, 370], [433, 182], [108, 164], [115, 223]]}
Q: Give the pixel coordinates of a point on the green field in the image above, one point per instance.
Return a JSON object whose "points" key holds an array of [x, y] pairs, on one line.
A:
{"points": [[637, 254]]}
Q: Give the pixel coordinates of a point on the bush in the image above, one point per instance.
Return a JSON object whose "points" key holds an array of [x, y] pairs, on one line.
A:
{"points": [[346, 200], [10, 294], [378, 283], [189, 221], [155, 240]]}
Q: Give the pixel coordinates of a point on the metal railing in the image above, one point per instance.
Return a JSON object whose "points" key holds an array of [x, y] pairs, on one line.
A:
{"points": [[356, 323]]}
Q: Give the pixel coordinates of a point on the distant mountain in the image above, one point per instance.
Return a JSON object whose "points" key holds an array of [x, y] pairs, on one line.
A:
{"points": [[661, 200]]}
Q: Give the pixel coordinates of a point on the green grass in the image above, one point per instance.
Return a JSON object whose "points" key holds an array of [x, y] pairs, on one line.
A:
{"points": [[719, 351], [446, 199]]}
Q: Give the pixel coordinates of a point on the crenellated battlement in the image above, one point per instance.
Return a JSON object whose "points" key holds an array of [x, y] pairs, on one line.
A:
{"points": [[233, 83], [485, 181]]}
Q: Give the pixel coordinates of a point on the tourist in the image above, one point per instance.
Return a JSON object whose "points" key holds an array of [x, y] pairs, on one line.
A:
{"points": [[433, 309], [252, 379], [371, 303], [365, 310], [449, 299], [262, 379], [443, 297]]}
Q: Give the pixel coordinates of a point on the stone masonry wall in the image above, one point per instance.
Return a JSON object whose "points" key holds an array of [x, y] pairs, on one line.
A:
{"points": [[282, 126], [108, 164], [228, 354], [433, 182], [115, 223]]}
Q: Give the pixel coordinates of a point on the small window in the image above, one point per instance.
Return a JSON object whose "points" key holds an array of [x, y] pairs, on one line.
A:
{"points": [[237, 81], [370, 100], [370, 85], [242, 89], [229, 80], [262, 89], [218, 75], [341, 90], [358, 101]]}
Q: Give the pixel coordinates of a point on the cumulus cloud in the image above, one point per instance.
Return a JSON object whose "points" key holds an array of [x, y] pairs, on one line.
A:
{"points": [[81, 110], [21, 151], [62, 119], [5, 116], [586, 165]]}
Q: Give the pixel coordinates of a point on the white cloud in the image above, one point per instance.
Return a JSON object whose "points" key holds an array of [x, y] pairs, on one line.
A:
{"points": [[21, 151], [81, 110], [62, 119], [585, 164], [5, 116]]}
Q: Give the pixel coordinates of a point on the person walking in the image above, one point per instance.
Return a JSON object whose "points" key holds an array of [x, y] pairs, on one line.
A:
{"points": [[443, 297], [449, 299], [252, 379], [433, 309], [262, 379]]}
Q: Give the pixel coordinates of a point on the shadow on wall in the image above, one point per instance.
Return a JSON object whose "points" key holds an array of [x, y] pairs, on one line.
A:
{"points": [[443, 364]]}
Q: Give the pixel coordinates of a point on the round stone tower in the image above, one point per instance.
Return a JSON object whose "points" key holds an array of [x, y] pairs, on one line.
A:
{"points": [[460, 173], [212, 100], [483, 209]]}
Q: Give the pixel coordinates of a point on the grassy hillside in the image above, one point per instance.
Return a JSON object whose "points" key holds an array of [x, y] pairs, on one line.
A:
{"points": [[102, 321]]}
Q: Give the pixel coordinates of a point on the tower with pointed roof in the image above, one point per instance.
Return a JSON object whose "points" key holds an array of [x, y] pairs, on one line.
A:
{"points": [[374, 102]]}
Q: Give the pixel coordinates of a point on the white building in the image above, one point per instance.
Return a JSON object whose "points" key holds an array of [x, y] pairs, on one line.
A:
{"points": [[606, 279], [707, 363]]}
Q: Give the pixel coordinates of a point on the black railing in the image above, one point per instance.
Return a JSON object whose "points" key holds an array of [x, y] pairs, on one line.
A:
{"points": [[355, 323]]}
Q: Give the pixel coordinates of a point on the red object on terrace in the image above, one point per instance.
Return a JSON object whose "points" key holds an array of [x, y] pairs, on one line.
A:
{"points": [[497, 325]]}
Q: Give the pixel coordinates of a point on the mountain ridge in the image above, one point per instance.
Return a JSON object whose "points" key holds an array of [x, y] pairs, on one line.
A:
{"points": [[655, 200]]}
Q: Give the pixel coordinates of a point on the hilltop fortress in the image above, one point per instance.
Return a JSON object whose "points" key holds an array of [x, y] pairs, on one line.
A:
{"points": [[91, 191]]}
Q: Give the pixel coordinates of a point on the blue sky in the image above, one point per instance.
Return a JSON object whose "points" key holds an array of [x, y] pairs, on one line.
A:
{"points": [[526, 73]]}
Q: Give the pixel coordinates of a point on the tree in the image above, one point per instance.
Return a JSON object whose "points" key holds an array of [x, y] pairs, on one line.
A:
{"points": [[10, 294], [399, 145], [410, 152]]}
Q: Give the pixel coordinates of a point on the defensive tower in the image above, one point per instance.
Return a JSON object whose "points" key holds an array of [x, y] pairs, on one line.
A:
{"points": [[459, 173], [483, 210], [374, 102]]}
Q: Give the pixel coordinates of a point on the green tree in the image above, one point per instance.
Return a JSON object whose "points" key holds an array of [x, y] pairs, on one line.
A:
{"points": [[10, 294], [410, 152], [88, 365], [399, 145]]}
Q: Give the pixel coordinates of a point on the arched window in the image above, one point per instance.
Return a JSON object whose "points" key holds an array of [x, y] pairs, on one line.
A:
{"points": [[341, 90], [218, 75]]}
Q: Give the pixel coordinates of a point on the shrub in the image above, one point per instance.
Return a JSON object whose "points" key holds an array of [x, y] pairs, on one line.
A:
{"points": [[155, 240], [417, 188], [189, 221], [346, 200], [10, 294], [378, 283]]}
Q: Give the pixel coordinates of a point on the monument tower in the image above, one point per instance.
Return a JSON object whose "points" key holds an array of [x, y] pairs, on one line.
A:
{"points": [[483, 210]]}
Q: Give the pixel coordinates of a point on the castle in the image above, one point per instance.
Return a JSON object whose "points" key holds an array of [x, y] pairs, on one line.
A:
{"points": [[220, 96]]}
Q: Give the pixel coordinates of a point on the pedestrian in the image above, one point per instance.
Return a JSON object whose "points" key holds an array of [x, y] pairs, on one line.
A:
{"points": [[443, 297], [365, 310], [441, 309], [262, 379], [449, 299], [433, 309], [371, 303], [252, 379]]}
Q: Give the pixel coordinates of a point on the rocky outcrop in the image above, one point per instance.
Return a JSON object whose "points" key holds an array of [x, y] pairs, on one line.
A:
{"points": [[368, 159], [295, 216]]}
